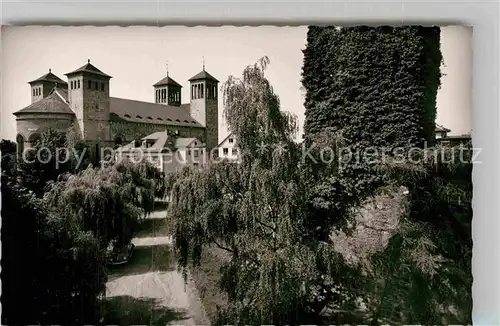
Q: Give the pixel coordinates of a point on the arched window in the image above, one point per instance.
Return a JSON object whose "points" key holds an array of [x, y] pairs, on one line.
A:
{"points": [[20, 144]]}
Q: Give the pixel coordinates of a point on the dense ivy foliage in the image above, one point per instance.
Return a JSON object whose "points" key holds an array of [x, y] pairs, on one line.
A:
{"points": [[374, 85]]}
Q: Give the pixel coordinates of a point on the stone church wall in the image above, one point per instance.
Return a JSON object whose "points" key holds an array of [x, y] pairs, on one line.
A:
{"points": [[129, 131]]}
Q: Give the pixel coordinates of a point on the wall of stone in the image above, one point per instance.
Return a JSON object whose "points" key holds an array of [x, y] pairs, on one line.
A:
{"points": [[197, 110], [91, 105], [212, 124], [30, 124]]}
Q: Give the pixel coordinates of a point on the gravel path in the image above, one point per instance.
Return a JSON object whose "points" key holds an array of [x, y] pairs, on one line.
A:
{"points": [[153, 288]]}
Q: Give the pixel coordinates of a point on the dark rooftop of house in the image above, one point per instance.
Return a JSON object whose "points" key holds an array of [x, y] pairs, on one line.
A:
{"points": [[89, 68], [167, 81], [203, 75], [49, 77], [52, 104], [440, 128]]}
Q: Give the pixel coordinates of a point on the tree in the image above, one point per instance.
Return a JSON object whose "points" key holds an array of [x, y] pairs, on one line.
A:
{"points": [[8, 150], [57, 226], [52, 270], [424, 275], [258, 211], [107, 201], [51, 156]]}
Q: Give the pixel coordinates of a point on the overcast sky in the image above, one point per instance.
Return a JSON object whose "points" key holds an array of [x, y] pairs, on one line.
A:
{"points": [[136, 58]]}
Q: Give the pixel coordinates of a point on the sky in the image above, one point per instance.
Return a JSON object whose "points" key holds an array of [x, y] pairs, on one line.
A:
{"points": [[137, 57]]}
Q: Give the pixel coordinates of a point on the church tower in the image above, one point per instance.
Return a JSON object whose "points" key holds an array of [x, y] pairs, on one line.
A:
{"points": [[88, 95], [168, 92], [41, 87], [204, 105]]}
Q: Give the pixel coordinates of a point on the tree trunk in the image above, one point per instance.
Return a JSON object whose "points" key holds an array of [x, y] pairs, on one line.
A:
{"points": [[375, 318]]}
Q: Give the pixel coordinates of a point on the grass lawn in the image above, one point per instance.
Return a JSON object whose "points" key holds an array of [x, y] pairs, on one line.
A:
{"points": [[206, 278]]}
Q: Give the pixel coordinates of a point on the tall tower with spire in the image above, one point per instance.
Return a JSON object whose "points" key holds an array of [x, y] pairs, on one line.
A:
{"points": [[88, 96], [204, 105], [168, 91]]}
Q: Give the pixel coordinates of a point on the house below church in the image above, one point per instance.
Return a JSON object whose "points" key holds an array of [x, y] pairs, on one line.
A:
{"points": [[165, 150], [442, 137], [227, 148]]}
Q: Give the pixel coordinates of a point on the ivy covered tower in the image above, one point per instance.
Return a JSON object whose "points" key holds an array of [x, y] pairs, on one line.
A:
{"points": [[204, 105], [88, 96]]}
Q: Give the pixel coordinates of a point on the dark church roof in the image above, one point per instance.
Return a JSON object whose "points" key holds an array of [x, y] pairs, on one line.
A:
{"points": [[52, 104], [167, 81], [89, 68], [203, 75], [62, 91], [49, 77], [146, 112]]}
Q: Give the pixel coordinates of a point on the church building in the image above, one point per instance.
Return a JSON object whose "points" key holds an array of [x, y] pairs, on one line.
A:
{"points": [[83, 102]]}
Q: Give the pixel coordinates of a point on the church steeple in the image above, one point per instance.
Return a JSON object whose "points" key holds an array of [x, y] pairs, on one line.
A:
{"points": [[42, 86], [88, 95], [168, 91], [204, 104]]}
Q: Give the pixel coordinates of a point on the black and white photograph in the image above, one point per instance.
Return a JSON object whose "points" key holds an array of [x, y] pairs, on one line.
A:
{"points": [[309, 175]]}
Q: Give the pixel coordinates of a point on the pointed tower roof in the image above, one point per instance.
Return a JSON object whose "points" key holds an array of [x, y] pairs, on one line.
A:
{"points": [[203, 75], [167, 81], [49, 77], [88, 68]]}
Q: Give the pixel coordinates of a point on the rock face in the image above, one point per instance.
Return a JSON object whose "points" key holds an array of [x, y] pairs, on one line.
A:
{"points": [[374, 223]]}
